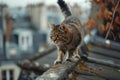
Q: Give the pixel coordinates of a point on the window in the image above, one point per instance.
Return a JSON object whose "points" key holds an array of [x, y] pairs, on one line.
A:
{"points": [[8, 75], [23, 40], [44, 38], [11, 75], [4, 75], [26, 42], [14, 38]]}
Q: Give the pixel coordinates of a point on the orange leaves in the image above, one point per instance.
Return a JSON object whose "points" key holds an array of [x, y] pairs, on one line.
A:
{"points": [[104, 13], [117, 20], [108, 1], [118, 10], [90, 23], [97, 1], [102, 6], [85, 24], [108, 18], [99, 16], [102, 28], [88, 32], [107, 14], [108, 25]]}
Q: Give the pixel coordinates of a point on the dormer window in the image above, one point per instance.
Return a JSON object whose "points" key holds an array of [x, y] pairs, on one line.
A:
{"points": [[25, 41]]}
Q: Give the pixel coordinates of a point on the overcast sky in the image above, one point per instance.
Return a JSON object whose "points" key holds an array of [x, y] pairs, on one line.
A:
{"points": [[14, 3], [84, 4]]}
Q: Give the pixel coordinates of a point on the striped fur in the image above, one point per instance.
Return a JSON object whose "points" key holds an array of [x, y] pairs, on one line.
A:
{"points": [[66, 11], [67, 36]]}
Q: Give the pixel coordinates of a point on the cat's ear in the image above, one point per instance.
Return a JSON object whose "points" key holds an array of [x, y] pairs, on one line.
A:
{"points": [[62, 27], [51, 25]]}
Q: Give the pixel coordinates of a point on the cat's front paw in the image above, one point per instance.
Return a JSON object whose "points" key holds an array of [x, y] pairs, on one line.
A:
{"points": [[57, 62], [69, 59], [77, 56]]}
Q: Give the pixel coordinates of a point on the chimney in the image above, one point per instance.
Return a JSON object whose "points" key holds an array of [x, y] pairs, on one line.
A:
{"points": [[9, 25]]}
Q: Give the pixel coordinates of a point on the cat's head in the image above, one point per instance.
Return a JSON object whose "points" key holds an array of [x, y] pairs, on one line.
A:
{"points": [[59, 34]]}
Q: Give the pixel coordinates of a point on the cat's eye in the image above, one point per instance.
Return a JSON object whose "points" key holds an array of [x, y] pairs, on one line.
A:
{"points": [[51, 37], [62, 27]]}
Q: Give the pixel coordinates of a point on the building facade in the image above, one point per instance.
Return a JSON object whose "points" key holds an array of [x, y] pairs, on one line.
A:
{"points": [[19, 38]]}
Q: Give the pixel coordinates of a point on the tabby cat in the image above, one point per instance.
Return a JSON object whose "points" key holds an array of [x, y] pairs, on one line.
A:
{"points": [[67, 36]]}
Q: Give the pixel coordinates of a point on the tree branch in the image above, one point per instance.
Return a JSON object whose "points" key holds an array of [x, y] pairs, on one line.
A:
{"points": [[112, 20]]}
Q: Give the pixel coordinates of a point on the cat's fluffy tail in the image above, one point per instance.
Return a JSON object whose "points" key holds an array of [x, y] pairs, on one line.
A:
{"points": [[66, 11]]}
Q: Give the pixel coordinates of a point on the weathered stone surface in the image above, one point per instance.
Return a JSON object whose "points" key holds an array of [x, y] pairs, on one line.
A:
{"points": [[60, 71]]}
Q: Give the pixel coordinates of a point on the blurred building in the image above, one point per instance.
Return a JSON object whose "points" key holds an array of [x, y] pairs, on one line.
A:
{"points": [[8, 70], [3, 10], [38, 15], [19, 38], [76, 10], [42, 15], [1, 30]]}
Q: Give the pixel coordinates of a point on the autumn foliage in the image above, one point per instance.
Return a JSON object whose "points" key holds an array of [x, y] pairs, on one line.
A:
{"points": [[108, 17]]}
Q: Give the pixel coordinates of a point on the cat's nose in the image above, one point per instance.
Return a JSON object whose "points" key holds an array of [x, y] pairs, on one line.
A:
{"points": [[53, 38]]}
